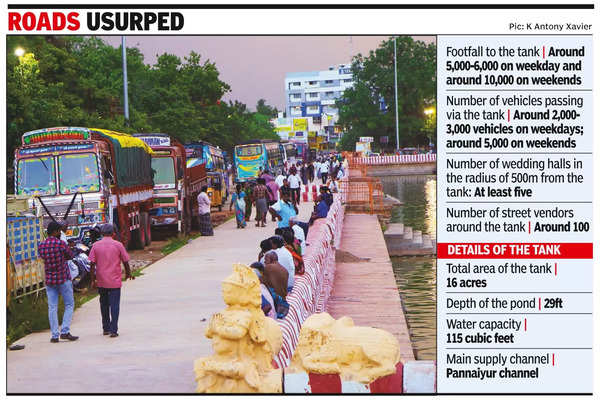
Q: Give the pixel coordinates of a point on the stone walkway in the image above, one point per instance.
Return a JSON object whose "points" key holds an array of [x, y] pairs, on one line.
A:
{"points": [[366, 290], [163, 317]]}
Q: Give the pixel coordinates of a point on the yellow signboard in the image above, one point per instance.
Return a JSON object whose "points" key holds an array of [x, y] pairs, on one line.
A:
{"points": [[283, 128], [300, 124], [312, 133]]}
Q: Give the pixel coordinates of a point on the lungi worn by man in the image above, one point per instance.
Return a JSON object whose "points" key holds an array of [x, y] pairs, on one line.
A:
{"points": [[204, 221]]}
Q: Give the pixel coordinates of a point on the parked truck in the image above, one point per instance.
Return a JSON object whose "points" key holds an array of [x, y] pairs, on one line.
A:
{"points": [[176, 187], [86, 177]]}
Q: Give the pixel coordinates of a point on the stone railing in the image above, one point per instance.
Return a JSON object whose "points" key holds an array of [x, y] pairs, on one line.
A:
{"points": [[401, 159], [312, 289]]}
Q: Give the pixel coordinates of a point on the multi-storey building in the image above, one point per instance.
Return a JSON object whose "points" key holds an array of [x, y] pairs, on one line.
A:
{"points": [[310, 105], [311, 94]]}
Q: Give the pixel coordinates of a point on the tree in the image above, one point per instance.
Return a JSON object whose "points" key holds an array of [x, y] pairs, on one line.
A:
{"points": [[367, 108], [263, 108], [77, 81]]}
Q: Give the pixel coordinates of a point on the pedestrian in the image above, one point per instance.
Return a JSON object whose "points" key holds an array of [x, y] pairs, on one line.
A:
{"points": [[106, 257], [294, 182], [55, 254], [324, 171], [240, 206], [317, 167], [304, 174], [259, 194], [205, 223], [248, 200], [280, 178], [272, 193], [311, 172], [284, 209]]}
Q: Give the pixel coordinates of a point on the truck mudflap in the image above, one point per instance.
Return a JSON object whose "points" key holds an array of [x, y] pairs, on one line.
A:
{"points": [[134, 218]]}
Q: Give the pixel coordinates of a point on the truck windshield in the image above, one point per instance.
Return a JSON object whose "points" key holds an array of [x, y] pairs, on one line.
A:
{"points": [[78, 173], [164, 171], [35, 176], [250, 150]]}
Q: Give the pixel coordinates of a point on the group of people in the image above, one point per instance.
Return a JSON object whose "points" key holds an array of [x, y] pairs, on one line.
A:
{"points": [[279, 261], [105, 259], [272, 192]]}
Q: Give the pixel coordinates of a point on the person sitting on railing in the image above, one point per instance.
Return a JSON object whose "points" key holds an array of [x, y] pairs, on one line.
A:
{"points": [[293, 246], [300, 232], [267, 303], [326, 195], [321, 210], [275, 277], [333, 186], [265, 246]]}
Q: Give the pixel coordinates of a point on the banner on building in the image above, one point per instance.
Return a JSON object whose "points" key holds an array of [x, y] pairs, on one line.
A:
{"points": [[283, 128], [300, 124], [299, 134], [365, 139], [312, 134]]}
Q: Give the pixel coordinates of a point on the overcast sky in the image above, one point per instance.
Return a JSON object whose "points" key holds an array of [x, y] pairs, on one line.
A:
{"points": [[255, 66]]}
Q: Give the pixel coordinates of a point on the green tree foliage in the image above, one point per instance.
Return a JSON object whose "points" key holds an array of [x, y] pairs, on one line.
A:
{"points": [[263, 108], [359, 107], [76, 81]]}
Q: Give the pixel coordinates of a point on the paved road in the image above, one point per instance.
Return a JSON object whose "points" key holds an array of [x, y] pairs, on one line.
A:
{"points": [[161, 327]]}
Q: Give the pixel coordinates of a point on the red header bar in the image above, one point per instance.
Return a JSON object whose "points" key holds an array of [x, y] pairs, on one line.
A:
{"points": [[515, 250]]}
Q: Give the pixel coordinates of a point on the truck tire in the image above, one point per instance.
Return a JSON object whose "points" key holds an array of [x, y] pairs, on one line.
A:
{"points": [[145, 221], [137, 236], [136, 241]]}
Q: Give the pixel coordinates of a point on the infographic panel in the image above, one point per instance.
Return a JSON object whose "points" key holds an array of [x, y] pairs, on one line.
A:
{"points": [[514, 214]]}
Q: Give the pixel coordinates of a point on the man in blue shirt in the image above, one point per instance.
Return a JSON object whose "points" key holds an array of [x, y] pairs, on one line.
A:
{"points": [[321, 210], [284, 209]]}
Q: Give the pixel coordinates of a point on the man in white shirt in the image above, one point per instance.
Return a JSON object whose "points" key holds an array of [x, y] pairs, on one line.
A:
{"points": [[280, 178], [324, 171], [317, 166], [294, 181]]}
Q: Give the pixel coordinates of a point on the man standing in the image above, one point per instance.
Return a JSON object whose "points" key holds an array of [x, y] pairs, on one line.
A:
{"points": [[324, 171], [284, 209], [205, 223], [279, 179], [105, 268], [55, 254], [295, 187]]}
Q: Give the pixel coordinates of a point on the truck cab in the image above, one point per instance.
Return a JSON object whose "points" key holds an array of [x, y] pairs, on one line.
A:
{"points": [[85, 177]]}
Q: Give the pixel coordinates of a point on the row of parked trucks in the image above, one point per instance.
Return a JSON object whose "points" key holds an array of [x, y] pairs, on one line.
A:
{"points": [[88, 176]]}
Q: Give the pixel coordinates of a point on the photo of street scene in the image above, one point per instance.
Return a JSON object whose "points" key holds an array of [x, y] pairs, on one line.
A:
{"points": [[221, 214]]}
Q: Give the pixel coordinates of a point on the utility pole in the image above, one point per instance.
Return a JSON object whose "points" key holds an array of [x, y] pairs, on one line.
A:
{"points": [[125, 97], [396, 95]]}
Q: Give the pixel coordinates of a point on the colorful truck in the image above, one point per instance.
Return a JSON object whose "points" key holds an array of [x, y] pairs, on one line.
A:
{"points": [[214, 161], [176, 187], [86, 177]]}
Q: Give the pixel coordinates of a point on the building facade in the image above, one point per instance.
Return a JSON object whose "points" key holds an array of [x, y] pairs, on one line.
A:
{"points": [[311, 114]]}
